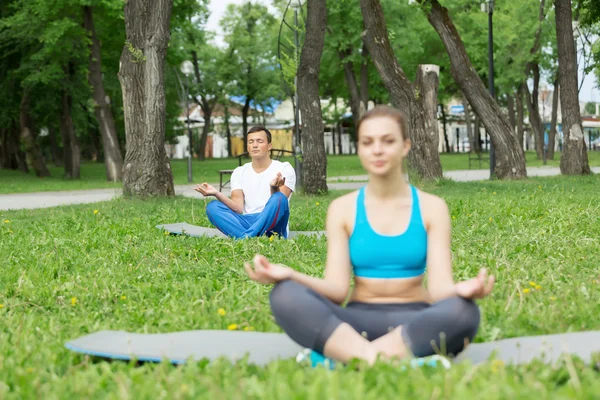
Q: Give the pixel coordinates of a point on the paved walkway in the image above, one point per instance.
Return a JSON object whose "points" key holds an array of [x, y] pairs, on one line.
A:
{"points": [[52, 199]]}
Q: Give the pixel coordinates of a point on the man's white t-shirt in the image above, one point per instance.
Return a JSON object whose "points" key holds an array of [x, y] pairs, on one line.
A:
{"points": [[256, 187]]}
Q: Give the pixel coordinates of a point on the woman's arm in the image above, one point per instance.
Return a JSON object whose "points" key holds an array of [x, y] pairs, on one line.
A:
{"points": [[335, 284], [440, 282]]}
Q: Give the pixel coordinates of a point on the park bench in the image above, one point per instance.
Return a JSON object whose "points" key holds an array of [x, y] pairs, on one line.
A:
{"points": [[478, 157], [276, 154]]}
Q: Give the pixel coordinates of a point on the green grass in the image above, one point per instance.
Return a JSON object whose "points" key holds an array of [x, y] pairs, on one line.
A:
{"points": [[67, 272], [93, 175]]}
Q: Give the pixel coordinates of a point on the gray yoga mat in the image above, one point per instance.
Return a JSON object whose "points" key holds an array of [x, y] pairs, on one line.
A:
{"points": [[183, 228], [262, 347]]}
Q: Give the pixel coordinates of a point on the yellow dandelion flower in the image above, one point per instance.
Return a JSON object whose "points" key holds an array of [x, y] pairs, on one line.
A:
{"points": [[1, 305], [221, 312], [453, 217], [232, 327], [123, 297], [96, 212], [552, 298], [494, 193], [539, 187], [246, 328], [73, 301], [497, 365], [491, 219], [6, 221], [532, 284], [526, 290], [166, 233], [271, 238], [538, 287], [317, 203]]}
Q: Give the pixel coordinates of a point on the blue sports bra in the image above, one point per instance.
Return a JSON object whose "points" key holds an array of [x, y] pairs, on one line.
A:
{"points": [[381, 256]]}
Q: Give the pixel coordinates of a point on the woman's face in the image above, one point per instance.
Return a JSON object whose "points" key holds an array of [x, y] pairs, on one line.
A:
{"points": [[381, 147]]}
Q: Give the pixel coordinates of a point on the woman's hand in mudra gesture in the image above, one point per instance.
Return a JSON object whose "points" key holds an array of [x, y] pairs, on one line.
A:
{"points": [[476, 288], [265, 272]]}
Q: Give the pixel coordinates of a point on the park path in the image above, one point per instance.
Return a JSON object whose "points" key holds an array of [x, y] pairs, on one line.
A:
{"points": [[52, 199]]}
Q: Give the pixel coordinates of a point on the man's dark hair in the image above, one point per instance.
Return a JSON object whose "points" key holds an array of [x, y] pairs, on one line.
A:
{"points": [[260, 128]]}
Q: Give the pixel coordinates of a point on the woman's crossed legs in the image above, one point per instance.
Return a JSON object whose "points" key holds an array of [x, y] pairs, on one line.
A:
{"points": [[369, 330]]}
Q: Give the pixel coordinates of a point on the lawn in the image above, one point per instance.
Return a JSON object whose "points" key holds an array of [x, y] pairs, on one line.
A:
{"points": [[93, 175], [70, 271]]}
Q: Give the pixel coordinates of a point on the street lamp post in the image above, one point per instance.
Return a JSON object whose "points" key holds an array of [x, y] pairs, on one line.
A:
{"points": [[489, 8], [187, 68], [296, 4]]}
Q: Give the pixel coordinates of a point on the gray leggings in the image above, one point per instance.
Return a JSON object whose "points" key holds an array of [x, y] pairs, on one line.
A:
{"points": [[310, 319]]}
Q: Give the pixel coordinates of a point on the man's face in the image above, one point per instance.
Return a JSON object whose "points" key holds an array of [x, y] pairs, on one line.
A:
{"points": [[258, 146]]}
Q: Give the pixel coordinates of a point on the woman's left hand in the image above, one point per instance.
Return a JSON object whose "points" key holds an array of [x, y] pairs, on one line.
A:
{"points": [[476, 288]]}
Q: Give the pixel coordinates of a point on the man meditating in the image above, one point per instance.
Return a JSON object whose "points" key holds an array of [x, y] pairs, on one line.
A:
{"points": [[260, 192]]}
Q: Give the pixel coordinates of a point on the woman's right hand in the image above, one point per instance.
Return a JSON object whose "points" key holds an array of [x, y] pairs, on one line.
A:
{"points": [[266, 273]]}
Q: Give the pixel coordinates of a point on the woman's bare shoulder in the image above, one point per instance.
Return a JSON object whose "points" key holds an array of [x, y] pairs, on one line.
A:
{"points": [[433, 208], [344, 203]]}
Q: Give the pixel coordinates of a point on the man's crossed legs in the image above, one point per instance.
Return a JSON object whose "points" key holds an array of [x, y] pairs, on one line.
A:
{"points": [[272, 219]]}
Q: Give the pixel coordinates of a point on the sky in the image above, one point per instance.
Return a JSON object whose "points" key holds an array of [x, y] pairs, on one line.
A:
{"points": [[589, 90]]}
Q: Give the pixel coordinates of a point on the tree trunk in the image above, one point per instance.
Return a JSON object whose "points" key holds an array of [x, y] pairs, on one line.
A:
{"points": [[339, 137], [510, 104], [4, 154], [427, 81], [113, 160], [477, 135], [69, 138], [445, 128], [9, 153], [207, 114], [13, 157], [54, 150], [314, 159], [364, 80], [356, 104], [472, 146], [228, 130], [333, 127], [520, 115], [510, 160], [245, 110], [424, 156], [28, 139], [147, 169], [552, 133], [207, 109], [532, 99], [536, 123], [574, 159]]}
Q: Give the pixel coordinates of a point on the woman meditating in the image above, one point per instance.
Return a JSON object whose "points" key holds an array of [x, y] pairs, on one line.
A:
{"points": [[388, 234]]}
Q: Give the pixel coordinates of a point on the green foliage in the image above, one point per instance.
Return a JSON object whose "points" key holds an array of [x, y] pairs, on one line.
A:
{"points": [[69, 271], [514, 26], [590, 108], [251, 39], [137, 54]]}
